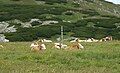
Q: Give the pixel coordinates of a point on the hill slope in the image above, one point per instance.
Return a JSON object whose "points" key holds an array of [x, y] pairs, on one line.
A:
{"points": [[80, 18]]}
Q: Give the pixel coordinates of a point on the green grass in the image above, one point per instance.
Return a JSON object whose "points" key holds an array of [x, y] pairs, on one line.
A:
{"points": [[104, 57]]}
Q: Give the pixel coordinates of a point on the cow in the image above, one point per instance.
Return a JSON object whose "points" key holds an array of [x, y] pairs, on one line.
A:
{"points": [[59, 46], [37, 46]]}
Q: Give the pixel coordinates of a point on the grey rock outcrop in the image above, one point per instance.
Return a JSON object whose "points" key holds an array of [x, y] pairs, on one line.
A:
{"points": [[4, 27], [2, 38]]}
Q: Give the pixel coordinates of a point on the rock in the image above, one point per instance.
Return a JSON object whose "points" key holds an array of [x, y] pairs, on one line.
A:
{"points": [[35, 20], [26, 25], [2, 38], [11, 29], [4, 27], [49, 22]]}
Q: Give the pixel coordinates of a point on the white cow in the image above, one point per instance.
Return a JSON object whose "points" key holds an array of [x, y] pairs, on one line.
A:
{"points": [[43, 46], [44, 40], [37, 47], [94, 40], [75, 40], [76, 45], [89, 40], [82, 40], [33, 45], [59, 46], [108, 38], [80, 46]]}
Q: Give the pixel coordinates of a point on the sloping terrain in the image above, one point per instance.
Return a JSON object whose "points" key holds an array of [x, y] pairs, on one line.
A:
{"points": [[80, 18]]}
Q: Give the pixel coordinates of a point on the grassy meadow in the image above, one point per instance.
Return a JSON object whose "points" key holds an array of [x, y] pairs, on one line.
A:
{"points": [[103, 57]]}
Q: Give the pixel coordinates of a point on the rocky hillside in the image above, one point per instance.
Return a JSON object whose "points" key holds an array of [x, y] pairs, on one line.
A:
{"points": [[35, 19]]}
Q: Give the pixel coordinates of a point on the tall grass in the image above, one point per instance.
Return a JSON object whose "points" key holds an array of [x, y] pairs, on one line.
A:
{"points": [[104, 57]]}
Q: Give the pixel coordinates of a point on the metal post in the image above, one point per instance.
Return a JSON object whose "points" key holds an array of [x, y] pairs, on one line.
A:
{"points": [[61, 42]]}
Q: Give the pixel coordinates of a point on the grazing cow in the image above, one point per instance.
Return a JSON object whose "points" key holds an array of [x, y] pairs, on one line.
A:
{"points": [[1, 46]]}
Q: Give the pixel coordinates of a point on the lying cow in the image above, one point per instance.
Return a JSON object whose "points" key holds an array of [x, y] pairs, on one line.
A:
{"points": [[59, 46], [37, 47], [108, 38], [75, 40], [76, 45], [44, 40]]}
